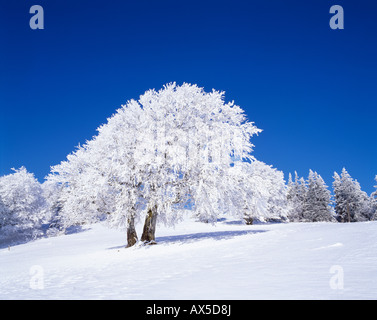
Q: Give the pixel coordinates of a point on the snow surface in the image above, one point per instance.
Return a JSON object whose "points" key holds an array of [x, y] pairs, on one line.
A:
{"points": [[195, 260]]}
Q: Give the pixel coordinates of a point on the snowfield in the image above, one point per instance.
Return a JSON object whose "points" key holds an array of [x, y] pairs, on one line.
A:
{"points": [[195, 260]]}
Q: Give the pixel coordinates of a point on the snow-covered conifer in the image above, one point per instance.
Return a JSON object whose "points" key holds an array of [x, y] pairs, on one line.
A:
{"points": [[351, 203], [296, 196], [373, 200], [317, 200], [374, 194]]}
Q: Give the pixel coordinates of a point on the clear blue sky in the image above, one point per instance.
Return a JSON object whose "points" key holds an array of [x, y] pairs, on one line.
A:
{"points": [[313, 90]]}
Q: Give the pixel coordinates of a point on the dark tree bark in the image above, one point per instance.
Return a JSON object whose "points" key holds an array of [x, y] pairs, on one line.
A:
{"points": [[248, 220], [149, 229], [131, 232]]}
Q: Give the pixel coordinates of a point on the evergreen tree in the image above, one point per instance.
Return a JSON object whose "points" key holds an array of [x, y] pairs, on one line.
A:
{"points": [[373, 201], [317, 200], [290, 188], [351, 203], [374, 194], [296, 197]]}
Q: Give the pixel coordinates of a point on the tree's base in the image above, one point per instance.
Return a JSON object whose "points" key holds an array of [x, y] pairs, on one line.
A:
{"points": [[248, 221], [141, 244], [149, 243], [131, 244], [131, 238]]}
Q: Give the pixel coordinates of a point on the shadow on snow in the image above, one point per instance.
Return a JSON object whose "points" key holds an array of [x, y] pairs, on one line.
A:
{"points": [[192, 237], [217, 235]]}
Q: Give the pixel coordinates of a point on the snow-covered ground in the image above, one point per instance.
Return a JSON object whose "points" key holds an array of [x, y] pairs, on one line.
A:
{"points": [[195, 260]]}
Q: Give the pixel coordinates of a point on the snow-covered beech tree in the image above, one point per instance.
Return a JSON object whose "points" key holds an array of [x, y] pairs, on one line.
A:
{"points": [[317, 205], [296, 196], [152, 156], [265, 192], [76, 189], [351, 203], [51, 193], [22, 204]]}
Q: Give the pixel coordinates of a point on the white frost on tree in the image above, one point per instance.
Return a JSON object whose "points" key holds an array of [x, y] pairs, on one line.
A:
{"points": [[373, 200], [265, 192], [351, 203], [296, 196], [21, 204], [317, 205], [153, 155]]}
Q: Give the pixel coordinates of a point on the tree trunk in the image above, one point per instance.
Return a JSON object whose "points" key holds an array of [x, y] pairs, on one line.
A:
{"points": [[131, 232], [149, 229], [248, 220]]}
